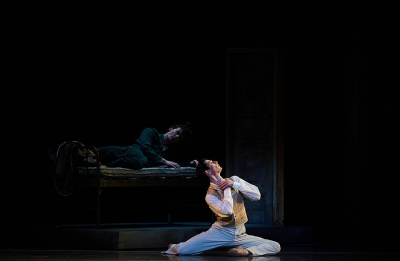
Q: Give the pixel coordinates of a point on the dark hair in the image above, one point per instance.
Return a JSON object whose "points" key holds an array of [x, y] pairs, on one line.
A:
{"points": [[201, 168], [186, 128]]}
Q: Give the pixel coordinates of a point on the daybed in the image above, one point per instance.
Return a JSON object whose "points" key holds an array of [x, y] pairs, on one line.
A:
{"points": [[76, 165]]}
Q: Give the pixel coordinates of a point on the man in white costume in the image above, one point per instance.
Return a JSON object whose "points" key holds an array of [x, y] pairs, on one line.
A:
{"points": [[225, 199]]}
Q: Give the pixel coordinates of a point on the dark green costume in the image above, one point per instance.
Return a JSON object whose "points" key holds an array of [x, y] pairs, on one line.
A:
{"points": [[146, 151]]}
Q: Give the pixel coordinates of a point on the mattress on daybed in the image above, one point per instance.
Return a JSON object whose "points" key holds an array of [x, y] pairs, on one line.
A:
{"points": [[117, 172]]}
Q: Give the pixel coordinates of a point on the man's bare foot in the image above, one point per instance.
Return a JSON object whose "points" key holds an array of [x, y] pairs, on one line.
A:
{"points": [[238, 251]]}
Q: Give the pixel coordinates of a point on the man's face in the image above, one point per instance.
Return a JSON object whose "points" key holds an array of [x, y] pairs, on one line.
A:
{"points": [[174, 136], [214, 167]]}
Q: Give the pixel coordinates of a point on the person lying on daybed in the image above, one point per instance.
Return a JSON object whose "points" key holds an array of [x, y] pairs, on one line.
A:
{"points": [[150, 149]]}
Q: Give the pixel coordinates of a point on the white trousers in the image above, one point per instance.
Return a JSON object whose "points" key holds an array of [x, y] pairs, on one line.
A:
{"points": [[218, 236]]}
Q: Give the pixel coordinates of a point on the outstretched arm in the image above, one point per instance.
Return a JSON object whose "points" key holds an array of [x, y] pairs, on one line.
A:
{"points": [[170, 163], [191, 163]]}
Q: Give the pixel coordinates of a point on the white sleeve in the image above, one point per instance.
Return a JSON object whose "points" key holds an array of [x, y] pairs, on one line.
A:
{"points": [[248, 190], [223, 207]]}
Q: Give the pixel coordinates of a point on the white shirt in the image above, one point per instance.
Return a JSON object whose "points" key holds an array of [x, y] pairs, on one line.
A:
{"points": [[224, 208]]}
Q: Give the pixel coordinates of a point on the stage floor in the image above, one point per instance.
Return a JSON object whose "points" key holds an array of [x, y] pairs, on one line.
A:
{"points": [[289, 253], [147, 241], [132, 236]]}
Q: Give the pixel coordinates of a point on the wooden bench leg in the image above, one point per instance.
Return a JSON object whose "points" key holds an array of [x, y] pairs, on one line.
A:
{"points": [[98, 192]]}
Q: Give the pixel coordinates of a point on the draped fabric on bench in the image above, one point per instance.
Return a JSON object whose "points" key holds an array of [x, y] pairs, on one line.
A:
{"points": [[65, 163]]}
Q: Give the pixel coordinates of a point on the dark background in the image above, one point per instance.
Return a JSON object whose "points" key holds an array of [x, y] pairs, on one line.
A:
{"points": [[99, 76]]}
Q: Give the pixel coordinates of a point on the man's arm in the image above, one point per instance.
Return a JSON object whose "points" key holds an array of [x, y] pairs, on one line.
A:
{"points": [[189, 163], [247, 189], [148, 137], [223, 208]]}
